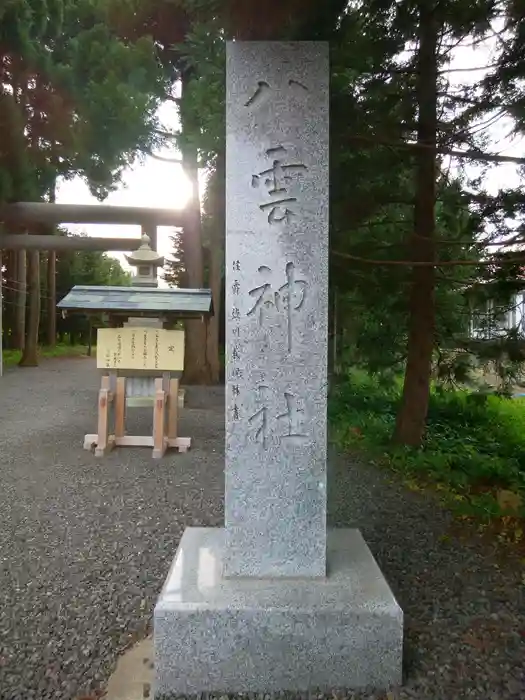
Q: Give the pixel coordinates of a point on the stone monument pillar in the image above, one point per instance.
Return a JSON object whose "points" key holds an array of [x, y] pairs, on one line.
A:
{"points": [[273, 602], [277, 309]]}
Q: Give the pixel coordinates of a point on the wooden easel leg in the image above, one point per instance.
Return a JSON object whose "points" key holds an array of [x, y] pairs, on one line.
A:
{"points": [[120, 407], [159, 421], [173, 409], [104, 401]]}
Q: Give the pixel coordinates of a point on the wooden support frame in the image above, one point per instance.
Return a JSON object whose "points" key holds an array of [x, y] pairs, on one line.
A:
{"points": [[112, 405], [159, 421], [173, 409], [120, 408], [104, 442]]}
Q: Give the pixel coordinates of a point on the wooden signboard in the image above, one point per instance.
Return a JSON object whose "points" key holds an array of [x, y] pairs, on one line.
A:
{"points": [[140, 349]]}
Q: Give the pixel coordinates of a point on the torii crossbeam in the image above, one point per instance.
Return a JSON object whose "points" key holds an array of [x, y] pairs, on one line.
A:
{"points": [[46, 213]]}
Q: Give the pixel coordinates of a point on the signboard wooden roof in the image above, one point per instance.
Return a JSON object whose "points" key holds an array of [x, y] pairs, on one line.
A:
{"points": [[136, 301]]}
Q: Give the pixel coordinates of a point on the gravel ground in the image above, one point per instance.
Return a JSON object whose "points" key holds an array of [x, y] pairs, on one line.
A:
{"points": [[464, 602], [85, 545]]}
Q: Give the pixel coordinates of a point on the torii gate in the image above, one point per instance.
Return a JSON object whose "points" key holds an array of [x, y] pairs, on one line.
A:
{"points": [[52, 214]]}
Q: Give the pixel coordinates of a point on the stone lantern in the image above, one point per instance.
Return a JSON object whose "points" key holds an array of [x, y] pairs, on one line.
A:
{"points": [[146, 262]]}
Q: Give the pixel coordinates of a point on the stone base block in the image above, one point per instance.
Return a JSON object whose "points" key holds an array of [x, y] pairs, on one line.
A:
{"points": [[256, 635]]}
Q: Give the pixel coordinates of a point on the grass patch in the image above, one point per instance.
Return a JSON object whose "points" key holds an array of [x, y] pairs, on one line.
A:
{"points": [[12, 357], [473, 451]]}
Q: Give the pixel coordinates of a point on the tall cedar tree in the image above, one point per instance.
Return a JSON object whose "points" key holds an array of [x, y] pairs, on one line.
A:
{"points": [[74, 100], [411, 417]]}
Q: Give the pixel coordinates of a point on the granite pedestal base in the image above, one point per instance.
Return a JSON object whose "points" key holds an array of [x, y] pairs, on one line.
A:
{"points": [[243, 635]]}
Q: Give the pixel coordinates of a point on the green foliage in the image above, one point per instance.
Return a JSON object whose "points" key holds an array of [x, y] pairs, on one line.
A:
{"points": [[475, 442], [86, 267], [212, 230], [74, 98], [115, 87], [202, 108], [204, 55], [374, 113], [174, 272], [11, 358]]}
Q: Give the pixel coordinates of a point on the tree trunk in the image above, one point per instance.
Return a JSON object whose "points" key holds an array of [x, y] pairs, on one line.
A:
{"points": [[217, 204], [196, 367], [51, 330], [1, 319], [336, 329], [30, 354], [51, 335], [20, 279], [90, 337], [9, 299], [213, 324], [412, 415]]}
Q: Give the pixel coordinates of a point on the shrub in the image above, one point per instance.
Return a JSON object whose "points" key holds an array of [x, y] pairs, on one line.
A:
{"points": [[475, 443]]}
